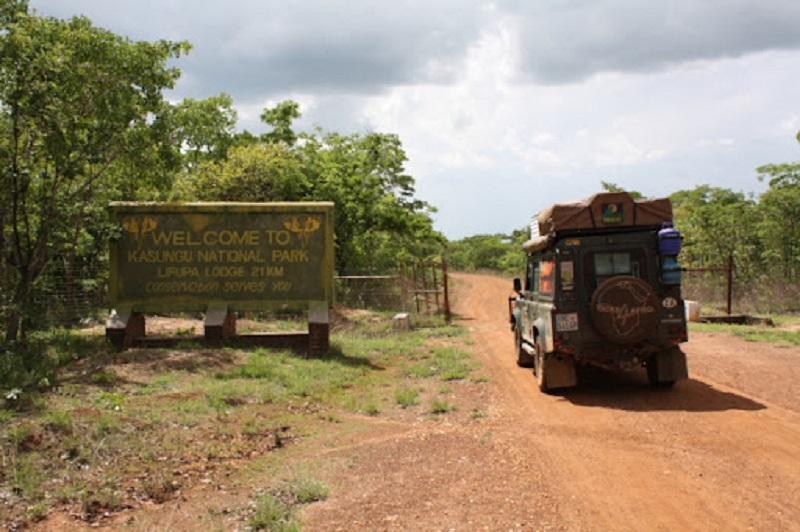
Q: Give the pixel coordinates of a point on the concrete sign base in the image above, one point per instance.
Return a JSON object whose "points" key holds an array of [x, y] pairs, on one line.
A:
{"points": [[125, 329]]}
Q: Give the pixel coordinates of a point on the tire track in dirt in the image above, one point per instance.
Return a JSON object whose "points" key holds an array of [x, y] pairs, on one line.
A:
{"points": [[623, 456]]}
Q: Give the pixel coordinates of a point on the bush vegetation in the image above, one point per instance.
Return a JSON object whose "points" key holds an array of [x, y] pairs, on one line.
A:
{"points": [[96, 441]]}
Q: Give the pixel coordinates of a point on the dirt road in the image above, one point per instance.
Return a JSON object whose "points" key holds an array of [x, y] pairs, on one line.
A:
{"points": [[720, 451]]}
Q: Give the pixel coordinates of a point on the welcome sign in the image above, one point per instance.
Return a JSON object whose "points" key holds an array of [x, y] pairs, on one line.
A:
{"points": [[248, 255]]}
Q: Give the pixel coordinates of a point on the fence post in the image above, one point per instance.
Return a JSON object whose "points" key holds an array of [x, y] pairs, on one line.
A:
{"points": [[435, 287], [730, 283], [445, 288], [414, 286], [424, 272]]}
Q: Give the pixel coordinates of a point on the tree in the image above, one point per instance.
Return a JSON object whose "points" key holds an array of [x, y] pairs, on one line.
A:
{"points": [[782, 174], [613, 187], [716, 223], [76, 100], [378, 220], [280, 118], [779, 227], [203, 130], [255, 172], [779, 231]]}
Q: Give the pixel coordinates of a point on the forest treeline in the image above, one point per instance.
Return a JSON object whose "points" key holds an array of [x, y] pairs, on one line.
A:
{"points": [[84, 121], [761, 232]]}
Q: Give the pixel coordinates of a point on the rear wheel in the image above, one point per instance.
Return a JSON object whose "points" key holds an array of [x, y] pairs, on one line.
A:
{"points": [[524, 360]]}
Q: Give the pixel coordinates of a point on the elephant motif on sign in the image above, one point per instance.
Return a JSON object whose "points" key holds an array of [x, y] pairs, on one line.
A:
{"points": [[303, 227], [138, 228]]}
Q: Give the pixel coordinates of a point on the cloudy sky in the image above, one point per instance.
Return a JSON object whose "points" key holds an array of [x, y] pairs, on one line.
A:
{"points": [[506, 106]]}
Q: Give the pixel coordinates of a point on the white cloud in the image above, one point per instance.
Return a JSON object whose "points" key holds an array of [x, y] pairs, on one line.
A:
{"points": [[507, 106]]}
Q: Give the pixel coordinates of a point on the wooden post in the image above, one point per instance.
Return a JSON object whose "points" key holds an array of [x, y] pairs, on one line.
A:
{"points": [[425, 287], [404, 286], [445, 288], [414, 285], [435, 287], [730, 283]]}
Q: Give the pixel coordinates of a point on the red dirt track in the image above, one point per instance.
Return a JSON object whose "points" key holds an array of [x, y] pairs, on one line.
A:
{"points": [[720, 451]]}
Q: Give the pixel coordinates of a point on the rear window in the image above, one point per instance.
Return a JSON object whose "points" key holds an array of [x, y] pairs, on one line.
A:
{"points": [[612, 264], [547, 277]]}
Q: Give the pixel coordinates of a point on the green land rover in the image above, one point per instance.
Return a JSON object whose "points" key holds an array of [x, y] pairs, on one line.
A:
{"points": [[602, 288]]}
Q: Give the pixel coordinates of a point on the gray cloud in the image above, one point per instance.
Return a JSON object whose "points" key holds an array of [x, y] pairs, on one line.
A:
{"points": [[568, 41], [252, 49]]}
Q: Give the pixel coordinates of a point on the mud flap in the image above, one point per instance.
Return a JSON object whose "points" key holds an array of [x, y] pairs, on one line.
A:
{"points": [[671, 365], [560, 371]]}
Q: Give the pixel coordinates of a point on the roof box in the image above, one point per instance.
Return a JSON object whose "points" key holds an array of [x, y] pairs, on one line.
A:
{"points": [[605, 210]]}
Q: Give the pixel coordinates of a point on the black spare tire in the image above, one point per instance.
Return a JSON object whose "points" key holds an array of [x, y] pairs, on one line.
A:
{"points": [[625, 309]]}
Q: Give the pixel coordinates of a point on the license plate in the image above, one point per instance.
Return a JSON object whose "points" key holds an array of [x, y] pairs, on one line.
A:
{"points": [[567, 322]]}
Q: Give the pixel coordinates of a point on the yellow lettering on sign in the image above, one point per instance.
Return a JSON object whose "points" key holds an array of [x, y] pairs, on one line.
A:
{"points": [[266, 271], [159, 256], [177, 271], [224, 271], [175, 238], [282, 238], [289, 255], [230, 255], [231, 238]]}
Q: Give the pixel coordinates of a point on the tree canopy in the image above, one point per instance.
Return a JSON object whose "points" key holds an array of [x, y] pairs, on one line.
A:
{"points": [[76, 102], [84, 121]]}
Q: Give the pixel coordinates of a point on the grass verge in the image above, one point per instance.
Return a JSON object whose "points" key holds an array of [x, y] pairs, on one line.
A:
{"points": [[124, 428], [751, 333]]}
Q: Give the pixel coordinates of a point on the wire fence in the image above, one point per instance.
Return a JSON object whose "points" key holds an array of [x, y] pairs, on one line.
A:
{"points": [[420, 287], [62, 299]]}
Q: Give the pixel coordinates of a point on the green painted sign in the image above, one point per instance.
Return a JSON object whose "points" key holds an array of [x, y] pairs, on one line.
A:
{"points": [[613, 213], [247, 255]]}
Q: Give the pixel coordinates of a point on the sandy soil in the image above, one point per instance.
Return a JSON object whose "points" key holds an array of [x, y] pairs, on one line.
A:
{"points": [[720, 451]]}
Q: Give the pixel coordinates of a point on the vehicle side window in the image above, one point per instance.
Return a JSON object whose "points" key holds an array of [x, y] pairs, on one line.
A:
{"points": [[528, 274], [547, 277], [533, 271]]}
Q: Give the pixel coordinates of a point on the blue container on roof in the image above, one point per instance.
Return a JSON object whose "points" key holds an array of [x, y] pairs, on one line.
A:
{"points": [[669, 240]]}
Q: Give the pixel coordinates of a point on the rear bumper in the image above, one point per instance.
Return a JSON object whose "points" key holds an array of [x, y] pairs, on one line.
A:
{"points": [[616, 356]]}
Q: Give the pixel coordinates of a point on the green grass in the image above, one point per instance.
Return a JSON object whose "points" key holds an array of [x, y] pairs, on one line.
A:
{"points": [[111, 400], [276, 510], [751, 333], [5, 416], [104, 377], [273, 515], [406, 397], [448, 363], [78, 444], [477, 414], [28, 476], [305, 489], [441, 406], [59, 421], [783, 320]]}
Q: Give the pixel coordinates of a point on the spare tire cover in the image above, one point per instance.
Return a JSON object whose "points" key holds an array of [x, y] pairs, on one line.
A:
{"points": [[625, 309]]}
